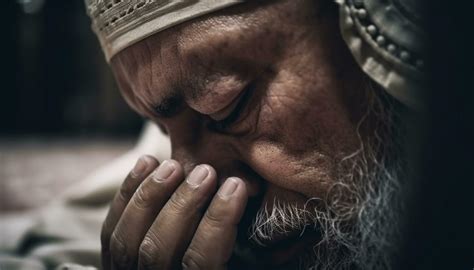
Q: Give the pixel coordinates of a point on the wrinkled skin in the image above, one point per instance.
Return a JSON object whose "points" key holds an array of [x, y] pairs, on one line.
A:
{"points": [[281, 70]]}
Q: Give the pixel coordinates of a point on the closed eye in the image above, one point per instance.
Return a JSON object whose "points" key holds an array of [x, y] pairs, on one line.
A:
{"points": [[236, 115]]}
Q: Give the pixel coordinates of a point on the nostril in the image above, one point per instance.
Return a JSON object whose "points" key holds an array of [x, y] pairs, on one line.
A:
{"points": [[253, 188]]}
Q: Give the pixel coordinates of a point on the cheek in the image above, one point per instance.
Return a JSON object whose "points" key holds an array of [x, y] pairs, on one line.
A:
{"points": [[310, 175], [301, 134], [286, 152], [304, 116]]}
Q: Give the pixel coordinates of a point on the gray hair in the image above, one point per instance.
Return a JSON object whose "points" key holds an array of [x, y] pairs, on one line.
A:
{"points": [[359, 219]]}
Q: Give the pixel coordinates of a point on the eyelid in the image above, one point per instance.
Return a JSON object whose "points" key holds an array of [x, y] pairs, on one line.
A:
{"points": [[236, 115], [227, 111]]}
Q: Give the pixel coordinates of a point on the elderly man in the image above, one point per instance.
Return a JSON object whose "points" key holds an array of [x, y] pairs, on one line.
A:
{"points": [[285, 153], [285, 124]]}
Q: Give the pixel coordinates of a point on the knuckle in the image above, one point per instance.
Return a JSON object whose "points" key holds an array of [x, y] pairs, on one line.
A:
{"points": [[193, 259], [149, 254], [143, 198], [215, 218], [118, 251], [178, 202]]}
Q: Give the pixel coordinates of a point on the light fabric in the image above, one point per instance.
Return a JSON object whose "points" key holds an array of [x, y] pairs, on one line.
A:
{"points": [[386, 39], [66, 233], [120, 23]]}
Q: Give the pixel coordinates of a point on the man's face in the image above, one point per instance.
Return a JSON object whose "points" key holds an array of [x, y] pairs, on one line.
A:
{"points": [[264, 91]]}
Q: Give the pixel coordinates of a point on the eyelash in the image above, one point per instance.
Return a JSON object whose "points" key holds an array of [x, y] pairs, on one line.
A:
{"points": [[225, 124]]}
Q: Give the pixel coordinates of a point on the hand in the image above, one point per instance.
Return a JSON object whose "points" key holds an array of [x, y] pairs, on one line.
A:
{"points": [[158, 220]]}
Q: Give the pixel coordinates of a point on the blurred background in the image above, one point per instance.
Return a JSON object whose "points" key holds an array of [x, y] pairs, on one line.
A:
{"points": [[62, 115]]}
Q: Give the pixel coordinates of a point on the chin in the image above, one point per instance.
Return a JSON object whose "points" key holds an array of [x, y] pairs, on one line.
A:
{"points": [[281, 254], [284, 250]]}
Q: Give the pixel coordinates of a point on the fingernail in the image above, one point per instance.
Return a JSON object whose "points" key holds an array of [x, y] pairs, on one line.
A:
{"points": [[164, 171], [197, 175], [139, 167], [228, 188]]}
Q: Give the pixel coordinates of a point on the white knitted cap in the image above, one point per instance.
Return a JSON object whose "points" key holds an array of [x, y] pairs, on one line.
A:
{"points": [[121, 23]]}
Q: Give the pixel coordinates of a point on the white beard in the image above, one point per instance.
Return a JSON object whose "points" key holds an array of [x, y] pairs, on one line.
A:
{"points": [[367, 197]]}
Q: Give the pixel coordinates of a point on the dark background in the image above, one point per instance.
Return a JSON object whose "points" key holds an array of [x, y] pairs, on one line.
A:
{"points": [[61, 114], [439, 232], [54, 76]]}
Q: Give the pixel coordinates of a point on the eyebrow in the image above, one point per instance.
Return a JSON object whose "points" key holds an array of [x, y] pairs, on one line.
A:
{"points": [[169, 106]]}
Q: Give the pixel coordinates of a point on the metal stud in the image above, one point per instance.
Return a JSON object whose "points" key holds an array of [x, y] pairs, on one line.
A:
{"points": [[362, 13], [404, 55], [380, 40], [391, 48], [371, 29]]}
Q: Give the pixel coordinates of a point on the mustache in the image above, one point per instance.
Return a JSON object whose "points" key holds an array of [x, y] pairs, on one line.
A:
{"points": [[348, 234], [282, 220]]}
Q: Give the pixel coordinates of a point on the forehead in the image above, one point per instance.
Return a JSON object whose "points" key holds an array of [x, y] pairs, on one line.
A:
{"points": [[246, 19], [187, 55], [119, 24]]}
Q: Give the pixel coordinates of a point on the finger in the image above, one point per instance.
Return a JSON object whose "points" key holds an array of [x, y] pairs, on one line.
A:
{"points": [[141, 211], [164, 244], [214, 239], [142, 168]]}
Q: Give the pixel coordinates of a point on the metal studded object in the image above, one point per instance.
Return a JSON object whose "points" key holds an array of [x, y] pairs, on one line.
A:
{"points": [[386, 38], [400, 43]]}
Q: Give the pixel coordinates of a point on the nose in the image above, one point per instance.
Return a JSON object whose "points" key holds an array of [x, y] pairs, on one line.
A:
{"points": [[225, 165], [207, 147]]}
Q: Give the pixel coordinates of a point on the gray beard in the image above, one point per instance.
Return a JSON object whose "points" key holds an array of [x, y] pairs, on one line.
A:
{"points": [[359, 219]]}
